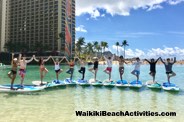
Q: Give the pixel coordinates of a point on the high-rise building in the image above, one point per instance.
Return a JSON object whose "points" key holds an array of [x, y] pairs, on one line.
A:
{"points": [[2, 23], [41, 24]]}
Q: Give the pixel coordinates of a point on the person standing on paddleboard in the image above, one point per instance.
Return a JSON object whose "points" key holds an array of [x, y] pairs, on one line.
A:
{"points": [[12, 74], [108, 70], [57, 68], [22, 70], [95, 68], [152, 63], [82, 69], [43, 69], [136, 70], [168, 67], [71, 63], [121, 61]]}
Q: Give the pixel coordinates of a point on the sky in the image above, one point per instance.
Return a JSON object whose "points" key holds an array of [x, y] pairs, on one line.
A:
{"points": [[152, 28]]}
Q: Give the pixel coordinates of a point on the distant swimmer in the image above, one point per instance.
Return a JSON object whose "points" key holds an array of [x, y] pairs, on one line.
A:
{"points": [[108, 70], [136, 70], [23, 64], [121, 61], [12, 74], [152, 63], [94, 69], [57, 68], [168, 67], [43, 69]]}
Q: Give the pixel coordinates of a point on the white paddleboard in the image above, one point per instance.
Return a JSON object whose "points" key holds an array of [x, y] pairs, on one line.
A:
{"points": [[39, 82], [107, 83], [18, 89], [153, 85], [95, 83]]}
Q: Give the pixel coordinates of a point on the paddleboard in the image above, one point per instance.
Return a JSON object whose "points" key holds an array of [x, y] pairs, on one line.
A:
{"points": [[107, 83], [56, 83], [95, 83], [170, 87], [153, 85], [37, 83], [83, 82], [20, 89], [135, 84], [122, 83], [67, 81]]}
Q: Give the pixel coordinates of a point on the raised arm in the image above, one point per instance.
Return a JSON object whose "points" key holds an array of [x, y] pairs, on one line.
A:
{"points": [[28, 61], [174, 60], [67, 60], [105, 58], [157, 60], [61, 59], [12, 56], [162, 60], [112, 58], [53, 59], [45, 60], [147, 60], [20, 55], [35, 58]]}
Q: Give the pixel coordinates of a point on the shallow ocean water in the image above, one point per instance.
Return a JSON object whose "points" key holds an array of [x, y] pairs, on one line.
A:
{"points": [[60, 104]]}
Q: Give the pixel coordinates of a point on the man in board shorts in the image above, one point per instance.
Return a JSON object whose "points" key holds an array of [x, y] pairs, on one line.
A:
{"points": [[108, 70]]}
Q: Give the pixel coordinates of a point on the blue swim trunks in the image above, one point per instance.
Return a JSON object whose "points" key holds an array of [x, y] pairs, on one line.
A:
{"points": [[136, 72]]}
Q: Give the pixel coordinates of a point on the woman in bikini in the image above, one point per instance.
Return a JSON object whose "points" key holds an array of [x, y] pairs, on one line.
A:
{"points": [[71, 70], [43, 69]]}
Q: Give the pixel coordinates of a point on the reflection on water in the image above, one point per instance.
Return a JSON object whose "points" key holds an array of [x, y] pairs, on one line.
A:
{"points": [[60, 104]]}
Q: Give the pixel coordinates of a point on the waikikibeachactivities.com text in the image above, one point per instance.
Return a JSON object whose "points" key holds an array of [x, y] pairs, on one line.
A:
{"points": [[123, 113]]}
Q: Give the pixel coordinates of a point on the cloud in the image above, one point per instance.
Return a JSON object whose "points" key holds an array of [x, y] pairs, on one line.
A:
{"points": [[81, 29], [118, 7], [151, 53]]}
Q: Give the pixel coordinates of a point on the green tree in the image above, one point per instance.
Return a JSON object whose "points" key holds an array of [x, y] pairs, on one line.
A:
{"points": [[124, 44], [79, 45], [117, 45], [104, 45], [89, 49]]}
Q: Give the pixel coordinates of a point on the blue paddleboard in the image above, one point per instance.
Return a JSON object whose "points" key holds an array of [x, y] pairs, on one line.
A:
{"points": [[170, 87], [122, 83], [135, 84]]}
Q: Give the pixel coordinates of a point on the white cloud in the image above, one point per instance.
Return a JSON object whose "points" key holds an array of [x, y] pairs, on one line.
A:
{"points": [[118, 7], [81, 29], [152, 53]]}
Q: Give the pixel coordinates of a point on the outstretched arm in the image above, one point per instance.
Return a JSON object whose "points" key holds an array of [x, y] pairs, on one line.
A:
{"points": [[112, 58], [105, 58], [28, 61], [67, 60], [45, 60], [157, 60], [174, 60], [61, 59], [162, 60], [147, 60], [52, 59], [35, 58]]}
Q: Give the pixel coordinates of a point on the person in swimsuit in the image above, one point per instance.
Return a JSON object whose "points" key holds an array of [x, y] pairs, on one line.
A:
{"points": [[57, 68], [108, 70], [152, 67], [43, 69], [168, 67], [12, 74], [121, 61], [136, 70], [71, 63], [82, 69], [95, 67], [22, 70]]}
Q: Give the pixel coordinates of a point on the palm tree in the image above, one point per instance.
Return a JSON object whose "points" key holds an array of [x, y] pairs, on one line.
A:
{"points": [[79, 45], [124, 44], [95, 46], [117, 44], [104, 45], [89, 48]]}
